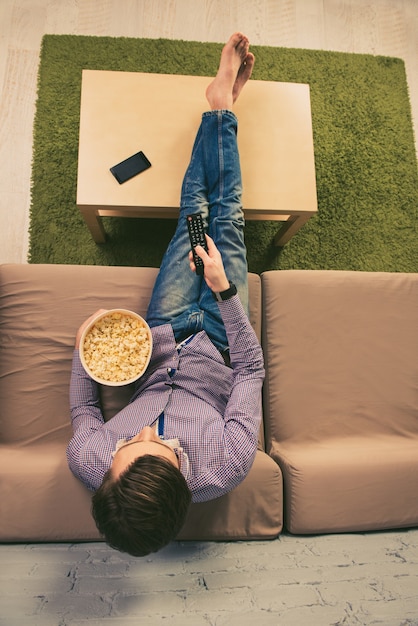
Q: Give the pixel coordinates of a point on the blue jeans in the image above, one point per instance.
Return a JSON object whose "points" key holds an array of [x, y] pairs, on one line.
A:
{"points": [[212, 186]]}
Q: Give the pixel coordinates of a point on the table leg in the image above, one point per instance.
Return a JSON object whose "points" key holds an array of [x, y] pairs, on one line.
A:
{"points": [[94, 223], [289, 228]]}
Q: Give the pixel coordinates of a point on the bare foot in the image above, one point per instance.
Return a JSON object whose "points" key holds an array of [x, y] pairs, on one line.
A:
{"points": [[235, 68], [243, 75]]}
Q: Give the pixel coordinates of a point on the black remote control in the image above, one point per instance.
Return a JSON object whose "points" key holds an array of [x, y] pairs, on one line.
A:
{"points": [[196, 228]]}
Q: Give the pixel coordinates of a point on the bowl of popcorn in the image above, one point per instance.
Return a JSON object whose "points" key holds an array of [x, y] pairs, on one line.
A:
{"points": [[115, 347]]}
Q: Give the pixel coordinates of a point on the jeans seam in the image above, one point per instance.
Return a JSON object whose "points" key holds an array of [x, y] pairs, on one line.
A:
{"points": [[220, 157]]}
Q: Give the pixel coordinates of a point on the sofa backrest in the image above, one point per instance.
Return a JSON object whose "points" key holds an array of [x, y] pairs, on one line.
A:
{"points": [[41, 308], [341, 353]]}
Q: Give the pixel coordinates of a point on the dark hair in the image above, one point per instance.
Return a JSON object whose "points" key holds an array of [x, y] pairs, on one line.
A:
{"points": [[144, 508]]}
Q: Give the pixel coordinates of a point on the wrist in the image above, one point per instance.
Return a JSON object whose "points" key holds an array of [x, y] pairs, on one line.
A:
{"points": [[225, 294], [222, 285]]}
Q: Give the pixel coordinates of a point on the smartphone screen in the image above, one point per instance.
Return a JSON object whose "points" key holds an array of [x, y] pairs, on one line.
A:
{"points": [[130, 167]]}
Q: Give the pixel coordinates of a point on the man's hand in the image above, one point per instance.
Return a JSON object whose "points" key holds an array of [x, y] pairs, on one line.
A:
{"points": [[85, 324], [214, 274]]}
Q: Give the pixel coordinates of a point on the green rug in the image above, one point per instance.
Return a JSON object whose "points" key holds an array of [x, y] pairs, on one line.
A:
{"points": [[365, 158]]}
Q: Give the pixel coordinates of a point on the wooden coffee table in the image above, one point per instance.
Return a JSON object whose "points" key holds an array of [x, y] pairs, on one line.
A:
{"points": [[124, 112]]}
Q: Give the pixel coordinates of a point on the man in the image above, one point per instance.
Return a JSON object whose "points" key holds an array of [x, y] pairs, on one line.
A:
{"points": [[190, 431]]}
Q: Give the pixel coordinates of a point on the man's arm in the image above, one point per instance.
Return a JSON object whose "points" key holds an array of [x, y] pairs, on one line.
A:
{"points": [[86, 414], [243, 412], [87, 419], [84, 391], [84, 398], [244, 409]]}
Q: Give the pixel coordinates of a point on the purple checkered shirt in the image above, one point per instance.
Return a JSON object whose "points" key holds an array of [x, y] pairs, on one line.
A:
{"points": [[213, 410]]}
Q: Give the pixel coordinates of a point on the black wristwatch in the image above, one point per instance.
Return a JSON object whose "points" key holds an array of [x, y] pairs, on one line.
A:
{"points": [[220, 296]]}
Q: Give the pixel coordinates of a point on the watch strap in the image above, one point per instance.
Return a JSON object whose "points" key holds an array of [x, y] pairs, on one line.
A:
{"points": [[220, 296]]}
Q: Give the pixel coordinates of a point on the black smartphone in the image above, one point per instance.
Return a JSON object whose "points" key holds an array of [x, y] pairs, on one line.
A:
{"points": [[130, 167]]}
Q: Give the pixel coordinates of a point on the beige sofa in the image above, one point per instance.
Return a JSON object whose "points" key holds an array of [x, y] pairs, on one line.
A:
{"points": [[340, 403]]}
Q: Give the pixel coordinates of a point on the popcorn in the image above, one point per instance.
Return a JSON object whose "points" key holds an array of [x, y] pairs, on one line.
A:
{"points": [[117, 347]]}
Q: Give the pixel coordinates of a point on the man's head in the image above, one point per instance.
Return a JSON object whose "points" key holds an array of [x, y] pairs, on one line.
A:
{"points": [[143, 500]]}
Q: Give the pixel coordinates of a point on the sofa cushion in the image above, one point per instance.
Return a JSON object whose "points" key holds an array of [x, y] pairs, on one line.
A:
{"points": [[42, 306], [341, 354], [41, 500], [349, 484]]}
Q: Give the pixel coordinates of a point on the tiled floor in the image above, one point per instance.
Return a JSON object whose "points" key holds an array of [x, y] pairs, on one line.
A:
{"points": [[345, 580]]}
